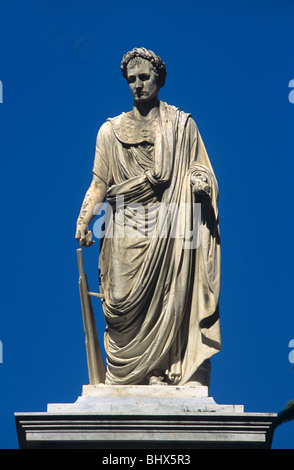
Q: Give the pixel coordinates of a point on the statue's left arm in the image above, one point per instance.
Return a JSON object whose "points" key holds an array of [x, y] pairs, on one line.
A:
{"points": [[202, 175]]}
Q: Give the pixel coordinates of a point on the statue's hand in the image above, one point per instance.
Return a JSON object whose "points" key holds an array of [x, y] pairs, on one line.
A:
{"points": [[84, 235], [200, 184]]}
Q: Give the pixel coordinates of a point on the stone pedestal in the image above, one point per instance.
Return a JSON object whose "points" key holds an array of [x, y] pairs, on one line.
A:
{"points": [[144, 417]]}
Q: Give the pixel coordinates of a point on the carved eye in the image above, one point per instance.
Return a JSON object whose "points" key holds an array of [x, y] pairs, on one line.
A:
{"points": [[131, 79], [144, 77]]}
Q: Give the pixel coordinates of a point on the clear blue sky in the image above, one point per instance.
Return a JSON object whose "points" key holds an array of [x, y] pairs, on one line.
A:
{"points": [[229, 64]]}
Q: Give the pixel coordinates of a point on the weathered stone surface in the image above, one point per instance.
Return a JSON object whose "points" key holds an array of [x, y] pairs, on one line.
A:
{"points": [[144, 400], [106, 417]]}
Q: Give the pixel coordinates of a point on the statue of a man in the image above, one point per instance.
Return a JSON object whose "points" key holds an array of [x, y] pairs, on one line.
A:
{"points": [[161, 294]]}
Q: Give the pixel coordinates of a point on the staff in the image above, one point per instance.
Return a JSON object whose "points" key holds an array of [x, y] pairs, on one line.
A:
{"points": [[96, 366]]}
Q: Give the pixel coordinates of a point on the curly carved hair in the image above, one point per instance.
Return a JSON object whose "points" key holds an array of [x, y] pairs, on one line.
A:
{"points": [[142, 53]]}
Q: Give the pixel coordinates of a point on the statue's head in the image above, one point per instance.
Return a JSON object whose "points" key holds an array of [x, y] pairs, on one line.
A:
{"points": [[138, 56]]}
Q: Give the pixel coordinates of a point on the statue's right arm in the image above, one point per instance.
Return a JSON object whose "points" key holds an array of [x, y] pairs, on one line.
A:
{"points": [[95, 195]]}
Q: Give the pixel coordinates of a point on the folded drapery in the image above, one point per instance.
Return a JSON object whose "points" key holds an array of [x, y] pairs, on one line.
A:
{"points": [[161, 289]]}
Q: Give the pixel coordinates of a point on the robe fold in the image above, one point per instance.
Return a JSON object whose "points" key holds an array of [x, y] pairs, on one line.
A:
{"points": [[161, 290]]}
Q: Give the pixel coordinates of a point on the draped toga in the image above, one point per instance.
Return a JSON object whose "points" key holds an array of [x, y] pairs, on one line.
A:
{"points": [[161, 295]]}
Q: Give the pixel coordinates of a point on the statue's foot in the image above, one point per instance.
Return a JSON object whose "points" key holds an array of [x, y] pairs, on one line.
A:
{"points": [[157, 378]]}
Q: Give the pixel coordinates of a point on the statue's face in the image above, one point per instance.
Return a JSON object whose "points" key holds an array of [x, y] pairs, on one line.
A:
{"points": [[142, 80]]}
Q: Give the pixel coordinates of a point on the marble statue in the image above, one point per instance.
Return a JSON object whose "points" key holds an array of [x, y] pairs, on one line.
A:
{"points": [[161, 295]]}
